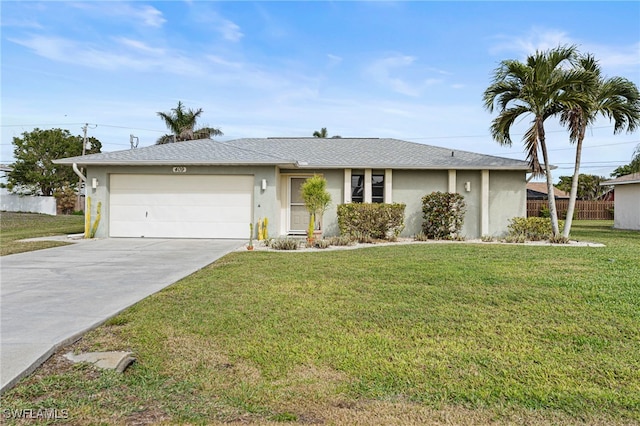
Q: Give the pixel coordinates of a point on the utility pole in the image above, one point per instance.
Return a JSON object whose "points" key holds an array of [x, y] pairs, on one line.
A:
{"points": [[84, 141]]}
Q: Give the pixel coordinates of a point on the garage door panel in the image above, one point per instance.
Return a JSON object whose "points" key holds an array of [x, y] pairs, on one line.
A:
{"points": [[169, 206]]}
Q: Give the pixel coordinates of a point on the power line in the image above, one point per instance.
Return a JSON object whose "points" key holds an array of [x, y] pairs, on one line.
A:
{"points": [[79, 124]]}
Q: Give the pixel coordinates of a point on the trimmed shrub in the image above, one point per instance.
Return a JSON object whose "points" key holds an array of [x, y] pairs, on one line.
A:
{"points": [[321, 244], [366, 222], [443, 214], [340, 240], [531, 228], [284, 244]]}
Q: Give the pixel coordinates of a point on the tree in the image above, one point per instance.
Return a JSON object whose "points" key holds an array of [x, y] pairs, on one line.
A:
{"points": [[321, 134], [316, 200], [34, 172], [182, 123], [614, 98], [324, 134], [588, 187], [542, 87], [632, 167]]}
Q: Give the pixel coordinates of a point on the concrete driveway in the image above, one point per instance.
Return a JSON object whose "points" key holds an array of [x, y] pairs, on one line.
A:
{"points": [[50, 297]]}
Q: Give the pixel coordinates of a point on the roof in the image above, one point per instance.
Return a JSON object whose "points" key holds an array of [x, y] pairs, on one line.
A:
{"points": [[541, 187], [303, 153], [622, 180]]}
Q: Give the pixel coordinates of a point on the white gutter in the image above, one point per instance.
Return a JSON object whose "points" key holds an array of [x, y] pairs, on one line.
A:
{"points": [[79, 173]]}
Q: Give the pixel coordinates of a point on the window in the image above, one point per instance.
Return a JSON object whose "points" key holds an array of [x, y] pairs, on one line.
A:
{"points": [[377, 188], [357, 188]]}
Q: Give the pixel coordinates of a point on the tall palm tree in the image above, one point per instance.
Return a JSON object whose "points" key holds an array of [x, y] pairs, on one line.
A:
{"points": [[182, 124], [614, 98], [542, 87], [321, 134]]}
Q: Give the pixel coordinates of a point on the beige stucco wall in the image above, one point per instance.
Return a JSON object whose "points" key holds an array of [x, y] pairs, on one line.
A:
{"points": [[507, 199], [409, 186], [507, 194], [627, 207], [263, 201]]}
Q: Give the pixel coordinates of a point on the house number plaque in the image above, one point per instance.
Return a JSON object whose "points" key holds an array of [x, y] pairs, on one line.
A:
{"points": [[180, 169]]}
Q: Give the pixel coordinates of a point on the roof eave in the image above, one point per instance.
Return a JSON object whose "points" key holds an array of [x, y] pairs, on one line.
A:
{"points": [[169, 163]]}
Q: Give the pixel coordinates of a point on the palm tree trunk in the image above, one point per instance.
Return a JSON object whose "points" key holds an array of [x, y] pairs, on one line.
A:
{"points": [[574, 187], [553, 213]]}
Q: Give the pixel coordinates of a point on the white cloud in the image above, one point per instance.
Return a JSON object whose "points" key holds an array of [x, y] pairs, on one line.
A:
{"points": [[396, 73], [614, 59], [147, 15], [139, 45], [22, 23], [229, 30], [334, 59], [537, 39], [136, 55]]}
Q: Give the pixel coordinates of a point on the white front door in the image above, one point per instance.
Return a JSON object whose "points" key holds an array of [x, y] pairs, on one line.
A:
{"points": [[298, 214]]}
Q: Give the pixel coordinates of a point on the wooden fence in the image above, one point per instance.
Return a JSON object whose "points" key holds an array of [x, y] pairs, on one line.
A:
{"points": [[585, 210]]}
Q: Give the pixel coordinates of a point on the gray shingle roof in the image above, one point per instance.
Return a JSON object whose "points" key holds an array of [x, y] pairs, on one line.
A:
{"points": [[304, 153], [623, 180]]}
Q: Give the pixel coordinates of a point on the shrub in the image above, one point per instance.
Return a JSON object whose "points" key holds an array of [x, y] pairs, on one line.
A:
{"points": [[366, 221], [443, 215], [487, 238], [544, 212], [284, 244], [66, 200], [341, 240], [421, 236], [321, 243], [532, 228]]}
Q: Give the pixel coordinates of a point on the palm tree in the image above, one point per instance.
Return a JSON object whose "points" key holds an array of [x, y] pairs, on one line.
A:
{"points": [[614, 98], [182, 124], [321, 134], [542, 88], [632, 167]]}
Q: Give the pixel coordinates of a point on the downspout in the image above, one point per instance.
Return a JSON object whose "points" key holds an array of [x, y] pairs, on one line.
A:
{"points": [[79, 173], [87, 216]]}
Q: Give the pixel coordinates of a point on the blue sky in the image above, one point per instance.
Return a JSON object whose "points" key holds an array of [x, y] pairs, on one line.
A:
{"points": [[409, 70]]}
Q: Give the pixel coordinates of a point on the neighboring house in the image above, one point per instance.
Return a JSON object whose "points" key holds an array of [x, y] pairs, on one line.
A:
{"points": [[626, 211], [538, 191], [4, 173], [211, 189], [610, 195]]}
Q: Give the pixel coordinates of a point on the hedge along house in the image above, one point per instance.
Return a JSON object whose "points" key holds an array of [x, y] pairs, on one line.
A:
{"points": [[211, 189]]}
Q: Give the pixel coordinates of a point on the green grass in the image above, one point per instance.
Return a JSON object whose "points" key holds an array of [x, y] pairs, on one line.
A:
{"points": [[18, 226], [468, 333]]}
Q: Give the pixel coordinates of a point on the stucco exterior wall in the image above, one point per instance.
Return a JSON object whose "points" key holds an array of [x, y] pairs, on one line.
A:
{"points": [[409, 186], [507, 199], [506, 194], [264, 204], [627, 207], [472, 199]]}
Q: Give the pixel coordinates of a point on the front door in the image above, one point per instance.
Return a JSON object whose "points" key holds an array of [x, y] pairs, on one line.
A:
{"points": [[298, 214]]}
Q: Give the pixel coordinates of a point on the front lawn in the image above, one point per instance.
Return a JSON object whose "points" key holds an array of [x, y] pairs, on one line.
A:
{"points": [[414, 334], [18, 226]]}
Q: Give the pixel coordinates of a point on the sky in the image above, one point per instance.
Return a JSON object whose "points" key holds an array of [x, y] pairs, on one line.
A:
{"points": [[412, 70]]}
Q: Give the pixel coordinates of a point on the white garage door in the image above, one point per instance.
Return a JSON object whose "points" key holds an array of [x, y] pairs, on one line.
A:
{"points": [[180, 206]]}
